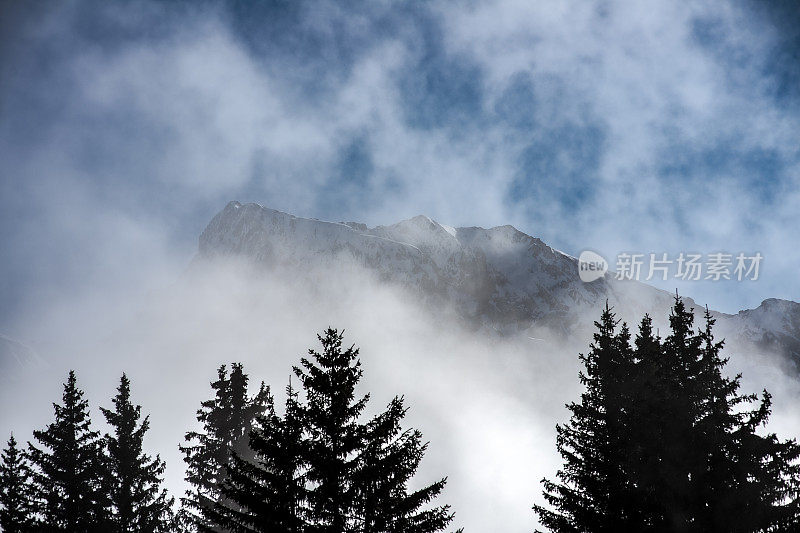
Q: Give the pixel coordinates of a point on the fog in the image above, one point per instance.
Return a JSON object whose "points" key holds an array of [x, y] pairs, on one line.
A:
{"points": [[488, 405], [603, 125]]}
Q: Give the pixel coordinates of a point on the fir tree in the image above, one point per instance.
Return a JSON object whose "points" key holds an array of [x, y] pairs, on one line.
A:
{"points": [[389, 459], [226, 423], [648, 403], [716, 473], [358, 473], [267, 493], [748, 481], [16, 511], [592, 492], [335, 436], [663, 441], [681, 411], [133, 480], [319, 468], [767, 476], [68, 468]]}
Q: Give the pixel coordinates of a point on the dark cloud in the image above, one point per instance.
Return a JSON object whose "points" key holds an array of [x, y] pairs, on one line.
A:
{"points": [[560, 167], [782, 62]]}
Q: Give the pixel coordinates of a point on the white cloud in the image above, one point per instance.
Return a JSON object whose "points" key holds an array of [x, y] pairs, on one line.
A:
{"points": [[155, 131]]}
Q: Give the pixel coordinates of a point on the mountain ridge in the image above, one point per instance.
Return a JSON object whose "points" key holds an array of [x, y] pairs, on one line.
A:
{"points": [[498, 278]]}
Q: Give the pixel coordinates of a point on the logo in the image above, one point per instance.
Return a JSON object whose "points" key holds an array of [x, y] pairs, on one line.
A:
{"points": [[591, 266], [686, 266]]}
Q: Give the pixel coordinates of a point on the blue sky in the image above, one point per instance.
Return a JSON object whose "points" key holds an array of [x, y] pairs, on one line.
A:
{"points": [[611, 125]]}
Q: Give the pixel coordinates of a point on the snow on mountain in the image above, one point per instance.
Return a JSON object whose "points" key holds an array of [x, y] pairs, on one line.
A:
{"points": [[499, 278], [775, 324]]}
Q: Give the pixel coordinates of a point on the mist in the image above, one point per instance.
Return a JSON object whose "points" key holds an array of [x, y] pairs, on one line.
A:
{"points": [[487, 404], [603, 125]]}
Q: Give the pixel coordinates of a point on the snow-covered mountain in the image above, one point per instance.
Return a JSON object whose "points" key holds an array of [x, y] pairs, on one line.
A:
{"points": [[773, 325], [499, 278]]}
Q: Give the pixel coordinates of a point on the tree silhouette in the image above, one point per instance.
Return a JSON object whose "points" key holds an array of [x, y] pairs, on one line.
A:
{"points": [[267, 494], [388, 461], [68, 468], [319, 468], [16, 498], [226, 421], [334, 434], [592, 491], [133, 479], [662, 440]]}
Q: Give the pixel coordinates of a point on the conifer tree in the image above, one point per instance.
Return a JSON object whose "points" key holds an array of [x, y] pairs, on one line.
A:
{"points": [[592, 492], [68, 468], [767, 476], [226, 421], [389, 459], [334, 435], [320, 469], [648, 403], [134, 479], [16, 498], [663, 441], [748, 481], [267, 493], [619, 371], [682, 388], [716, 473]]}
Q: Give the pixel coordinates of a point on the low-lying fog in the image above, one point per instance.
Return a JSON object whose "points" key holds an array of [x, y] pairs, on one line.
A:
{"points": [[487, 405]]}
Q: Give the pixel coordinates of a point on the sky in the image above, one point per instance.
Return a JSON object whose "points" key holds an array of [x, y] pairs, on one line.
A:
{"points": [[609, 125], [616, 126]]}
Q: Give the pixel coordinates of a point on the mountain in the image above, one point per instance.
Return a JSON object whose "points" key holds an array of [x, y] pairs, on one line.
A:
{"points": [[500, 279], [774, 325]]}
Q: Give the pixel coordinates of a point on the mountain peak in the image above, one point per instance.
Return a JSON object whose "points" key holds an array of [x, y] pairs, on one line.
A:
{"points": [[424, 223], [499, 278]]}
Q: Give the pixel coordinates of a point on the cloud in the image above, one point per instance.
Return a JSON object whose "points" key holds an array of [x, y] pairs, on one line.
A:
{"points": [[615, 126], [657, 107], [589, 124], [488, 407]]}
